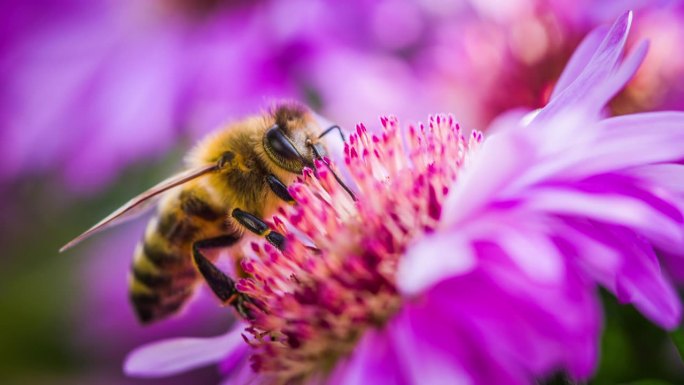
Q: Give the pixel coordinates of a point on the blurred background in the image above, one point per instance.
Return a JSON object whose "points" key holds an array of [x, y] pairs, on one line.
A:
{"points": [[101, 99]]}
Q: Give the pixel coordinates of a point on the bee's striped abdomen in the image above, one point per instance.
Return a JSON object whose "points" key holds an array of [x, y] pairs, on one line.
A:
{"points": [[163, 275]]}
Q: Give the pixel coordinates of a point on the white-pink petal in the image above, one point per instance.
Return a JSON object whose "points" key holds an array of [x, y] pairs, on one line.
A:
{"points": [[627, 266], [579, 60], [598, 261], [654, 297], [611, 208], [423, 363], [433, 259], [597, 71], [666, 176], [618, 143], [616, 81], [532, 251], [373, 361], [499, 162], [166, 358]]}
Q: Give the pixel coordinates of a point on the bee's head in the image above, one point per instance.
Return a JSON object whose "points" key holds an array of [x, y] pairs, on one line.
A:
{"points": [[292, 141]]}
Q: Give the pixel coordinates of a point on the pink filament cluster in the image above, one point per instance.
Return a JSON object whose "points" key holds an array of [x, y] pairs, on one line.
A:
{"points": [[337, 276]]}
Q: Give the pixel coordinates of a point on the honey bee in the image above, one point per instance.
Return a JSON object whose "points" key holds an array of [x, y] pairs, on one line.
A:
{"points": [[236, 176]]}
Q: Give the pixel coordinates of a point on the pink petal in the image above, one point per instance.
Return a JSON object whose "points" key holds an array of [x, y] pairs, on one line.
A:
{"points": [[599, 261], [510, 120], [642, 283], [499, 162], [616, 144], [421, 357], [612, 208], [641, 138], [532, 250], [617, 81], [579, 60], [372, 362], [450, 253], [599, 68], [518, 321], [667, 176], [433, 259], [626, 265], [166, 358], [242, 375]]}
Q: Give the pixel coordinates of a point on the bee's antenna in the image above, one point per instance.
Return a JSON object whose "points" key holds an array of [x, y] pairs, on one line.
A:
{"points": [[330, 129], [322, 159]]}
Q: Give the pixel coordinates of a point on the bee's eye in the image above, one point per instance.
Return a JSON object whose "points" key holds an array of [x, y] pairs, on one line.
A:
{"points": [[281, 145]]}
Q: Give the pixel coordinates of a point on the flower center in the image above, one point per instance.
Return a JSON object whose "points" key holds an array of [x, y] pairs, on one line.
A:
{"points": [[337, 276]]}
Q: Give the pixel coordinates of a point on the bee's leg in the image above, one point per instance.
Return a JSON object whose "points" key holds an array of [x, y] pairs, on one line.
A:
{"points": [[222, 285], [279, 189], [259, 227]]}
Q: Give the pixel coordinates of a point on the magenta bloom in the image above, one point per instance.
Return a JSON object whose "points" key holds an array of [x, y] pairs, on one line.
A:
{"points": [[465, 260], [91, 87], [491, 56], [81, 79]]}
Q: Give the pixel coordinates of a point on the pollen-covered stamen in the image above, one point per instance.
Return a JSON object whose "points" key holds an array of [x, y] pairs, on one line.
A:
{"points": [[336, 277]]}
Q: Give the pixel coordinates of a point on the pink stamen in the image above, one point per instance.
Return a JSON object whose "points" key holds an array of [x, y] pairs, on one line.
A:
{"points": [[323, 291]]}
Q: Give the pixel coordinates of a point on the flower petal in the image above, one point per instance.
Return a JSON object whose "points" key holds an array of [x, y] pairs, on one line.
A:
{"points": [[174, 356], [642, 283], [612, 208], [520, 322], [532, 251], [427, 355], [626, 265], [641, 138], [499, 162], [617, 80], [579, 60], [616, 143], [667, 176], [599, 68], [372, 362], [433, 259]]}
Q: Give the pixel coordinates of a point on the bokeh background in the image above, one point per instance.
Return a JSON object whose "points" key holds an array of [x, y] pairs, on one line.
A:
{"points": [[100, 99]]}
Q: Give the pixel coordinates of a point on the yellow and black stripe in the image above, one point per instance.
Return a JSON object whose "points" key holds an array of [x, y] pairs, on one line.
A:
{"points": [[163, 275]]}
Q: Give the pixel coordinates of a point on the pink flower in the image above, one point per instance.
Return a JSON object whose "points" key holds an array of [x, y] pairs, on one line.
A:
{"points": [[465, 260], [91, 87], [81, 79], [505, 56]]}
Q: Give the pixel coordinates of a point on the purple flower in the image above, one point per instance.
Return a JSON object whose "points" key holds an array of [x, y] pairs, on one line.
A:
{"points": [[493, 57], [90, 87], [465, 260], [657, 85]]}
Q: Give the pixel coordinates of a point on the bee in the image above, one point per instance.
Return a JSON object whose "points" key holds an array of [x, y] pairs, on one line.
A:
{"points": [[235, 177]]}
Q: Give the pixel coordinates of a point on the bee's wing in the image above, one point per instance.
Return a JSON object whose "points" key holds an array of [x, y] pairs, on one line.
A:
{"points": [[141, 202]]}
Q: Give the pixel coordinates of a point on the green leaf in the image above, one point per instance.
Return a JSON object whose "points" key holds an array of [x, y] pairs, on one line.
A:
{"points": [[677, 337]]}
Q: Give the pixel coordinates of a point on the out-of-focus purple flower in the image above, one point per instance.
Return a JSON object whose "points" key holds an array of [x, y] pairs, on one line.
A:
{"points": [[121, 329], [465, 260], [89, 87], [511, 56], [658, 84]]}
